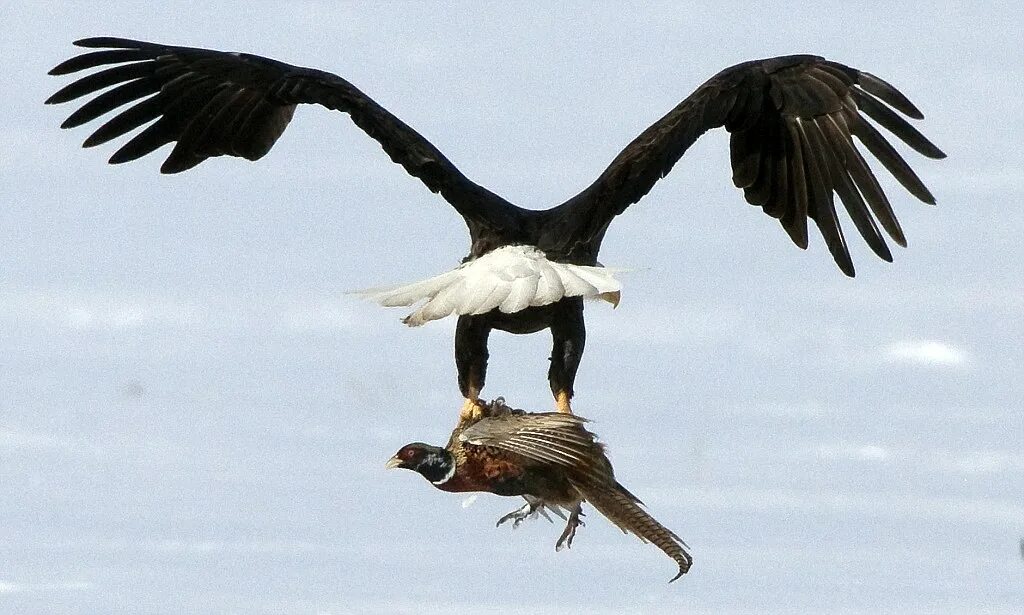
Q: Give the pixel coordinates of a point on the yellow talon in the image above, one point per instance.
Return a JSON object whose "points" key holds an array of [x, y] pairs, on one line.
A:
{"points": [[562, 402], [471, 410]]}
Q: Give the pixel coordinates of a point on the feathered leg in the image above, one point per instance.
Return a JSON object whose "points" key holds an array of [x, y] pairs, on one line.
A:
{"points": [[568, 336], [471, 362]]}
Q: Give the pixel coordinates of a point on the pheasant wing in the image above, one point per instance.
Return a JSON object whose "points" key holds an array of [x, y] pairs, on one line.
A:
{"points": [[553, 438]]}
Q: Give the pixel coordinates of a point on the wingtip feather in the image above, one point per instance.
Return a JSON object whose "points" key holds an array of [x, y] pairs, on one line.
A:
{"points": [[107, 42]]}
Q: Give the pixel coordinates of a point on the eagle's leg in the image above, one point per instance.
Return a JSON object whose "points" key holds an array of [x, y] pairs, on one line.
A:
{"points": [[574, 521], [471, 362], [568, 336]]}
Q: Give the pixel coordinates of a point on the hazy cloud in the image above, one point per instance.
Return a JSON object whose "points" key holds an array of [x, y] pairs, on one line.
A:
{"points": [[12, 587], [925, 352]]}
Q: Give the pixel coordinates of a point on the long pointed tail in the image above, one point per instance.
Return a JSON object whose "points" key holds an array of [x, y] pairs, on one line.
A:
{"points": [[623, 509]]}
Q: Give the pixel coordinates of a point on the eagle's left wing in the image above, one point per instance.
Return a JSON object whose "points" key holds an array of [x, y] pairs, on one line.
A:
{"points": [[792, 120]]}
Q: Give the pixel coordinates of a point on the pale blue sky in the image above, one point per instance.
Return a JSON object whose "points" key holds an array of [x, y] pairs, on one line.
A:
{"points": [[194, 416]]}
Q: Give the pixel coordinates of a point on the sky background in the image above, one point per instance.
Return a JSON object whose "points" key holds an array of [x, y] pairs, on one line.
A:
{"points": [[194, 416]]}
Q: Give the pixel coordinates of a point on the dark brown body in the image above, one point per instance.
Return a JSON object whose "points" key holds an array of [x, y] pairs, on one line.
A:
{"points": [[792, 121]]}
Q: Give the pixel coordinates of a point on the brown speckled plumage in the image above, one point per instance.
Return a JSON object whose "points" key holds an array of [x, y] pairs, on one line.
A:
{"points": [[548, 458]]}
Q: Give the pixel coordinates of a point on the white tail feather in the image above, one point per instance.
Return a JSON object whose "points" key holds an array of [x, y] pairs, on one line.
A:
{"points": [[598, 279], [549, 286], [521, 292], [575, 286], [510, 279], [402, 296]]}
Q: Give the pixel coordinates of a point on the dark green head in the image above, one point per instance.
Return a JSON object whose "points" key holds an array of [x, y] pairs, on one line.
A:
{"points": [[435, 463]]}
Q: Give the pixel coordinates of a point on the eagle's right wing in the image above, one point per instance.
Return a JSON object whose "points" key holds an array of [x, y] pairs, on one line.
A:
{"points": [[214, 103]]}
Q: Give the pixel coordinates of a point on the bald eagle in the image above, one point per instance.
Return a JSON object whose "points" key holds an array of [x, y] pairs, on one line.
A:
{"points": [[791, 121]]}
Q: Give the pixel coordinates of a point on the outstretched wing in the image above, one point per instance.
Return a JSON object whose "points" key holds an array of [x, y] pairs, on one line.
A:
{"points": [[791, 121], [214, 103], [546, 438]]}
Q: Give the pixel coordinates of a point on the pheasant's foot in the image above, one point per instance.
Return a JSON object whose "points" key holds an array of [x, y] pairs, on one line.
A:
{"points": [[574, 521], [519, 515]]}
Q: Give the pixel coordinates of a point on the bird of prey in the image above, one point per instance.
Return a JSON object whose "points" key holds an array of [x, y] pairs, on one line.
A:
{"points": [[548, 458], [792, 121]]}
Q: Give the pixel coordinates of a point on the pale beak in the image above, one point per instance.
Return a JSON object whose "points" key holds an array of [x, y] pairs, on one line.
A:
{"points": [[394, 462]]}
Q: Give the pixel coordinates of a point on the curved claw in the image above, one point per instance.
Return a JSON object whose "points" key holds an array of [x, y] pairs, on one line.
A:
{"points": [[574, 521], [514, 516], [518, 515]]}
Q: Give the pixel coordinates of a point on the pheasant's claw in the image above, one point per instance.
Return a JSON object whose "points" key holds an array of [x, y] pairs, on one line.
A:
{"points": [[518, 515], [574, 521], [565, 540], [513, 516]]}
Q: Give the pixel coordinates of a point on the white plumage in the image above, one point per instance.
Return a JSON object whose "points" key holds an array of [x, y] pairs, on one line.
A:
{"points": [[510, 278]]}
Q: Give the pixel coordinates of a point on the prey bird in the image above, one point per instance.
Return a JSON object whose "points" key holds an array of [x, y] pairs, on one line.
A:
{"points": [[548, 458], [792, 120]]}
